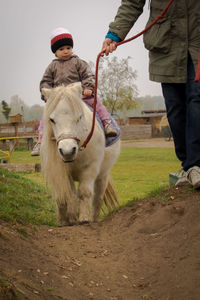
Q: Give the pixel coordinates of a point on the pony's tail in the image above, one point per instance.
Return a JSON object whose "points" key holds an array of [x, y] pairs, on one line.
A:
{"points": [[110, 197]]}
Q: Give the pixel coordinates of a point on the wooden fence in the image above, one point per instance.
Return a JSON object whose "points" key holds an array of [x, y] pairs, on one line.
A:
{"points": [[25, 129], [135, 131]]}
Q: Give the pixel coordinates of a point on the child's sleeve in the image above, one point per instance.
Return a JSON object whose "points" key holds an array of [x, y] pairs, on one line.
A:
{"points": [[86, 75], [47, 79]]}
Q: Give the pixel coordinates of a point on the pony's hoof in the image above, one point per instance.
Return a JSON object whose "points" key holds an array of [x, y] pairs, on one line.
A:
{"points": [[61, 224], [66, 223], [84, 222]]}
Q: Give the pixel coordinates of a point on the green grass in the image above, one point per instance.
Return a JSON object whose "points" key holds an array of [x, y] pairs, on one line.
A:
{"points": [[139, 172], [24, 201], [24, 157]]}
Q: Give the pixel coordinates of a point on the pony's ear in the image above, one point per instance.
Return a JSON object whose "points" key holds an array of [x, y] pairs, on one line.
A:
{"points": [[77, 88], [46, 92]]}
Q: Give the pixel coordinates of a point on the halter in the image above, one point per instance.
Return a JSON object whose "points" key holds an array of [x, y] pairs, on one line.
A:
{"points": [[66, 136]]}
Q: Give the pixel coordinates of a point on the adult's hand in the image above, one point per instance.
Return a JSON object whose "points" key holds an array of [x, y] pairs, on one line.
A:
{"points": [[108, 46]]}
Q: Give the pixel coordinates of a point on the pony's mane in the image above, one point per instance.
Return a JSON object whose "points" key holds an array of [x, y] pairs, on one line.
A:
{"points": [[50, 160]]}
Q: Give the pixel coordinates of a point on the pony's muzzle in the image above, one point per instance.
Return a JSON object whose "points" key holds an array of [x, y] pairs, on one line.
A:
{"points": [[68, 149]]}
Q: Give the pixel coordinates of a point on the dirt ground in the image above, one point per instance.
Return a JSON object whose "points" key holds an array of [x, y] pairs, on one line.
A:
{"points": [[148, 250]]}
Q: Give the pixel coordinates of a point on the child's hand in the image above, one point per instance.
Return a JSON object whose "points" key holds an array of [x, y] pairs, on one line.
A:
{"points": [[87, 93]]}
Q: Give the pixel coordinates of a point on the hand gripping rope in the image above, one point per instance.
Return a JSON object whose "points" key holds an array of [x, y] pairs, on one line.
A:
{"points": [[197, 78]]}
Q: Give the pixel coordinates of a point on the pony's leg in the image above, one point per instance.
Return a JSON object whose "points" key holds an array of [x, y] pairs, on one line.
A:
{"points": [[65, 215], [99, 191], [65, 218], [68, 209], [85, 196]]}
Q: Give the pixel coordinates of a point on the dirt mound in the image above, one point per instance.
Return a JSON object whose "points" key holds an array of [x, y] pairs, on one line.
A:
{"points": [[148, 250]]}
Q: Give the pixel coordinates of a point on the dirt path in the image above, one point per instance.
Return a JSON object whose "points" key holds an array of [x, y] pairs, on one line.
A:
{"points": [[149, 250]]}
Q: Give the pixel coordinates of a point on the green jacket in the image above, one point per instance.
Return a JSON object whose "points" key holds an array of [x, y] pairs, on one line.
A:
{"points": [[169, 40]]}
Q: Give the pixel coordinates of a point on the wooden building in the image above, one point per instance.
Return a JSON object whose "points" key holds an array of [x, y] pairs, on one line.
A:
{"points": [[18, 118], [149, 117], [149, 124]]}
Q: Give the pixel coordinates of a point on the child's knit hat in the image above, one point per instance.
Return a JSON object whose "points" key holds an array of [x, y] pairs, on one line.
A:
{"points": [[60, 37]]}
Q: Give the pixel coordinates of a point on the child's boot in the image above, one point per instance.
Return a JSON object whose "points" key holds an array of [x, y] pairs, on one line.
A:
{"points": [[36, 150], [109, 129]]}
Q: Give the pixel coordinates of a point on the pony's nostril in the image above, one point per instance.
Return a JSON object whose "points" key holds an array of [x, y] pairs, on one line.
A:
{"points": [[73, 150], [61, 152]]}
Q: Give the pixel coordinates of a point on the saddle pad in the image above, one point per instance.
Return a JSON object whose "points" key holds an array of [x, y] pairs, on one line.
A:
{"points": [[108, 140]]}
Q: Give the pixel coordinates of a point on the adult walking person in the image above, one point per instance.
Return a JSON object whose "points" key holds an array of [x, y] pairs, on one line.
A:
{"points": [[173, 44]]}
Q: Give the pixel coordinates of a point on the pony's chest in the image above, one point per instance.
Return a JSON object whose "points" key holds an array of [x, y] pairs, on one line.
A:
{"points": [[77, 168]]}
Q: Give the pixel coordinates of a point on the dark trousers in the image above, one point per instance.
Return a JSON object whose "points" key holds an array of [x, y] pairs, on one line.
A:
{"points": [[183, 111]]}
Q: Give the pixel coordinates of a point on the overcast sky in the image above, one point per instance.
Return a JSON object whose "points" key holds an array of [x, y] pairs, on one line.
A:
{"points": [[25, 28]]}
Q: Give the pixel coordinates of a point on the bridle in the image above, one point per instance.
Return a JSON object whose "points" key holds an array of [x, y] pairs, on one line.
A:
{"points": [[66, 136]]}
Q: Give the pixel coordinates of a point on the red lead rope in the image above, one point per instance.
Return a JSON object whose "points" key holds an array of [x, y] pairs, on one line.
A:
{"points": [[197, 78]]}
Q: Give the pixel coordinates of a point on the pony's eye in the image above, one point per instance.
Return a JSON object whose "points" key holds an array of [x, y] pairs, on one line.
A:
{"points": [[52, 120]]}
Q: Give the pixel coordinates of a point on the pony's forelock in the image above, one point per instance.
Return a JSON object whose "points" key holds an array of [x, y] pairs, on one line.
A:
{"points": [[67, 93]]}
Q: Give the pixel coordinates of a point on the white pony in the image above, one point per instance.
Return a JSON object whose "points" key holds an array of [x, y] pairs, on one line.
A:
{"points": [[67, 122]]}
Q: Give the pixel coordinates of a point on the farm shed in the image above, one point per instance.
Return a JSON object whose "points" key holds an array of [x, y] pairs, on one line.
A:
{"points": [[149, 117], [148, 124]]}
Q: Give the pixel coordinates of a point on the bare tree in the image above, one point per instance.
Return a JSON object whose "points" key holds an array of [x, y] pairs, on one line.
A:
{"points": [[116, 86]]}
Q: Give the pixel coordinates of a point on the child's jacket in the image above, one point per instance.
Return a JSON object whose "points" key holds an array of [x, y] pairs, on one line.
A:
{"points": [[64, 72]]}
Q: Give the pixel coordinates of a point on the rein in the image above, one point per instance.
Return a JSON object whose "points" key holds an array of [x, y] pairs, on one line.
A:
{"points": [[197, 76], [160, 16]]}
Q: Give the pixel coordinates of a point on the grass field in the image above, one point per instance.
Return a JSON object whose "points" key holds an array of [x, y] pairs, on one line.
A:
{"points": [[141, 171], [138, 171], [24, 201]]}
